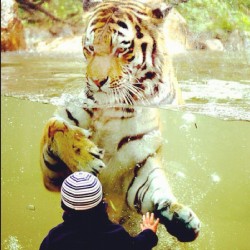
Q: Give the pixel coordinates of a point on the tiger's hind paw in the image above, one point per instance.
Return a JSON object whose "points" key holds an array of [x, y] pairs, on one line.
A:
{"points": [[180, 221]]}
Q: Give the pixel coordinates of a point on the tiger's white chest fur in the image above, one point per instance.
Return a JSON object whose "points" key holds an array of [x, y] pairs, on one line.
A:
{"points": [[126, 133]]}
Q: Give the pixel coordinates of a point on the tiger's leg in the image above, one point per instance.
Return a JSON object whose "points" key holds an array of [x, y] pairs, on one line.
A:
{"points": [[64, 149], [149, 191]]}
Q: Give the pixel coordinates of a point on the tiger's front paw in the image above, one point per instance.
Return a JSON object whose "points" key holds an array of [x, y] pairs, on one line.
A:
{"points": [[65, 149], [180, 221]]}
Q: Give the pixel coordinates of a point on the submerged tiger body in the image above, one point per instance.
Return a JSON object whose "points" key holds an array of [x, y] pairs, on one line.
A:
{"points": [[128, 67]]}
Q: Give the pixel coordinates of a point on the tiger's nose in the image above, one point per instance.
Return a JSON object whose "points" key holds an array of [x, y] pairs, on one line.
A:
{"points": [[100, 83]]}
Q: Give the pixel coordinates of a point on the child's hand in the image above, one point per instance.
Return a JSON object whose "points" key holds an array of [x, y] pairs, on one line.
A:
{"points": [[148, 222]]}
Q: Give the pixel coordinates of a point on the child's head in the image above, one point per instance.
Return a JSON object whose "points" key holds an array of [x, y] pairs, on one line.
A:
{"points": [[81, 191]]}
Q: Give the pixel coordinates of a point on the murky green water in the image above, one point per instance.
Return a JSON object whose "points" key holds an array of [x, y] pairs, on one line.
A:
{"points": [[207, 158]]}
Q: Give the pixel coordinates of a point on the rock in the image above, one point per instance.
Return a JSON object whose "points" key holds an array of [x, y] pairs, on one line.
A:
{"points": [[58, 38], [205, 41], [246, 36], [214, 45], [12, 32], [177, 38], [238, 41], [61, 30], [34, 36]]}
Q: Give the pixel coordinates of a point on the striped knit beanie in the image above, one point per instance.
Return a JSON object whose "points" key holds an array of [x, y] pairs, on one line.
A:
{"points": [[81, 191]]}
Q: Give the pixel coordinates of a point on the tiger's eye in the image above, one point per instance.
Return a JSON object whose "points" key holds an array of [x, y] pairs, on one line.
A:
{"points": [[119, 51], [91, 48]]}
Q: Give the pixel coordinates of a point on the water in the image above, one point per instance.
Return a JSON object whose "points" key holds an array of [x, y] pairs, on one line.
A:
{"points": [[207, 145], [214, 84]]}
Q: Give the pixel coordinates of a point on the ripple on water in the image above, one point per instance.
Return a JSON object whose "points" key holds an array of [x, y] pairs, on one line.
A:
{"points": [[59, 80]]}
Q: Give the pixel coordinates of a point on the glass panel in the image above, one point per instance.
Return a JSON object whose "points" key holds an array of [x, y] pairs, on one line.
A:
{"points": [[206, 160], [206, 143]]}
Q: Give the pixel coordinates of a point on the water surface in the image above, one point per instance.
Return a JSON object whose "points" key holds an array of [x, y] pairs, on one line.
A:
{"points": [[215, 84]]}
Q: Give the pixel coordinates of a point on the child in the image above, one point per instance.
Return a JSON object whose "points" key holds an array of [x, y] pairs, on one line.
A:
{"points": [[86, 224]]}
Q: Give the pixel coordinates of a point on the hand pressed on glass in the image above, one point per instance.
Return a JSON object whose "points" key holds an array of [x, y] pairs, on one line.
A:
{"points": [[149, 222]]}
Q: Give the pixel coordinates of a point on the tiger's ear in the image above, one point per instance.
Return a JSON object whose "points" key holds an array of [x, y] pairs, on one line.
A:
{"points": [[89, 4], [160, 12]]}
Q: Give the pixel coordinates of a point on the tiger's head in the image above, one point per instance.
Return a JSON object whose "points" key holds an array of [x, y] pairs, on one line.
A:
{"points": [[127, 60]]}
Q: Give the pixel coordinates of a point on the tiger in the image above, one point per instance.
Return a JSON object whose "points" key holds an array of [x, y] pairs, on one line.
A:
{"points": [[59, 143], [114, 136]]}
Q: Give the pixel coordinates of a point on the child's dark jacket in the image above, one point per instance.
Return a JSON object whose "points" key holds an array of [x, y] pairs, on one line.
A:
{"points": [[94, 231]]}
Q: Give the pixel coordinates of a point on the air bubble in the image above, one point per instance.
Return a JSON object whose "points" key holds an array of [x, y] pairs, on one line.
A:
{"points": [[189, 118], [215, 178], [31, 207], [180, 175]]}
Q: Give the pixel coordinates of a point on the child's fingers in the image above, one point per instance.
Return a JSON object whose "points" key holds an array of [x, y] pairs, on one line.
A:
{"points": [[143, 218], [157, 222], [152, 218]]}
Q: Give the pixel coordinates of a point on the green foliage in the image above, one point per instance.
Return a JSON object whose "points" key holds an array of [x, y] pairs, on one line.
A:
{"points": [[216, 16], [64, 9], [50, 12]]}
